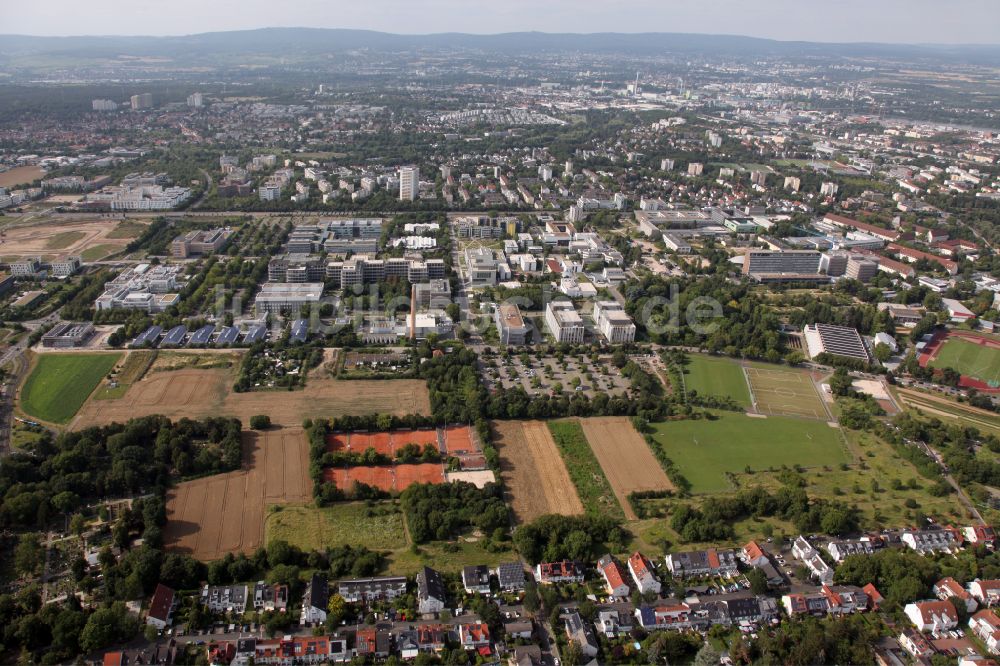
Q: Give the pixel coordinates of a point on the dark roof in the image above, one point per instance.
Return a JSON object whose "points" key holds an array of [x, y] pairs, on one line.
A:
{"points": [[511, 573], [159, 605], [228, 336], [476, 575], [202, 335], [300, 330], [149, 335], [318, 592], [175, 336], [254, 334], [430, 585]]}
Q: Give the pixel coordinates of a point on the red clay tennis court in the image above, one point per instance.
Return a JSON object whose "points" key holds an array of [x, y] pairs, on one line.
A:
{"points": [[458, 439], [380, 441], [407, 475], [401, 438], [385, 443], [379, 476], [336, 442], [385, 477]]}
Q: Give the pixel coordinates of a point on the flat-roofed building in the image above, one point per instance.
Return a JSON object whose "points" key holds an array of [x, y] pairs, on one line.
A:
{"points": [[296, 268], [277, 297], [68, 334], [782, 262], [200, 242], [65, 266], [613, 322], [862, 267], [653, 221], [564, 322], [28, 267], [510, 324], [482, 266], [835, 340]]}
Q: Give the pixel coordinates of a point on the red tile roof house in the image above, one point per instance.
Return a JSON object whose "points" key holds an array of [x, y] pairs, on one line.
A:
{"points": [[986, 592], [559, 572], [474, 635], [161, 607], [932, 615], [986, 627], [911, 255], [642, 573], [875, 597], [614, 577], [870, 229], [980, 534], [948, 587]]}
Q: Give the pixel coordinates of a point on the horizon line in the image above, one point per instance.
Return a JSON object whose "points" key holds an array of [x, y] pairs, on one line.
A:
{"points": [[502, 34]]}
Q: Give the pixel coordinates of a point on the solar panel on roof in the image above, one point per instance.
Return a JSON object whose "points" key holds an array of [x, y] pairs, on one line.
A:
{"points": [[255, 334], [300, 330], [227, 336], [175, 336], [149, 335], [202, 335]]}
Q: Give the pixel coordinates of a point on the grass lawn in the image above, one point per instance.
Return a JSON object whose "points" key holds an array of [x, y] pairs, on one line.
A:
{"points": [[132, 370], [379, 527], [98, 252], [60, 383], [705, 450], [886, 489], [969, 359], [584, 470], [63, 240], [449, 557], [127, 230], [709, 375]]}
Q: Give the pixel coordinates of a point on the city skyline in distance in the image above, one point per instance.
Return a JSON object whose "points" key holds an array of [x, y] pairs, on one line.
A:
{"points": [[885, 21]]}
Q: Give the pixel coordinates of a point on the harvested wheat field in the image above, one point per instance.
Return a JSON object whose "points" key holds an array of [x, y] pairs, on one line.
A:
{"points": [[196, 393], [626, 459], [212, 516], [533, 471]]}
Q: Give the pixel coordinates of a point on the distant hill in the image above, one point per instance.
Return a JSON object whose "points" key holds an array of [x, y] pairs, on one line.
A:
{"points": [[287, 41]]}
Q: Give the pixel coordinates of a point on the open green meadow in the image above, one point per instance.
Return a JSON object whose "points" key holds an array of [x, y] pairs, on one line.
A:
{"points": [[60, 383], [709, 375], [705, 450], [379, 527], [887, 490], [970, 359]]}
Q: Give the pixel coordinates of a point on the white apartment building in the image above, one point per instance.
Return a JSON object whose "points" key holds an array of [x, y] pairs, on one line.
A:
{"points": [[564, 323], [409, 183], [613, 323]]}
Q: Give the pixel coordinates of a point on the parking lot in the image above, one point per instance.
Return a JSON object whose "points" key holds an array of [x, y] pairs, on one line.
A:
{"points": [[537, 376]]}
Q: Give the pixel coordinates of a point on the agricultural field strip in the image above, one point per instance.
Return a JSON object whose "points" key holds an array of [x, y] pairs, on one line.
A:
{"points": [[625, 457], [533, 471]]}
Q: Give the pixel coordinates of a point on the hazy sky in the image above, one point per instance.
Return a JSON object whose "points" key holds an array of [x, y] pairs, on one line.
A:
{"points": [[941, 21]]}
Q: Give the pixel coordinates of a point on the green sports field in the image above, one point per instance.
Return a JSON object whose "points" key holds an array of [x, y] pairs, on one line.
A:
{"points": [[709, 375], [705, 450], [60, 383], [969, 359]]}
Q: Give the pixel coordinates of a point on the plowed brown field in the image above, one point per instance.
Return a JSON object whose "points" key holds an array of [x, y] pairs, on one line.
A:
{"points": [[210, 517], [626, 459], [533, 471]]}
